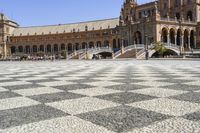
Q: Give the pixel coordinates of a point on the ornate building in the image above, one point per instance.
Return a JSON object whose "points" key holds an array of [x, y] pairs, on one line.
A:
{"points": [[173, 22]]}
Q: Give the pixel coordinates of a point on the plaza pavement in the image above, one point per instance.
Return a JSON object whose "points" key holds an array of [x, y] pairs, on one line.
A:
{"points": [[100, 97]]}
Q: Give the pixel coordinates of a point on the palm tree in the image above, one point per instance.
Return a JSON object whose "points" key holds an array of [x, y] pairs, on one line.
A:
{"points": [[160, 49]]}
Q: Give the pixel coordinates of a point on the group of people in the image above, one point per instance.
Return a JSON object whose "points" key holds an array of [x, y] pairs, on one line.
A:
{"points": [[30, 58]]}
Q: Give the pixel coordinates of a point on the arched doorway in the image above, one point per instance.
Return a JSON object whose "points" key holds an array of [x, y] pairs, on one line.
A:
{"points": [[84, 45], [138, 37], [179, 34], [34, 49], [119, 43], [55, 48], [77, 46], [186, 39], [20, 49], [98, 44], [114, 44], [48, 48], [41, 48], [62, 47], [172, 36], [13, 50], [106, 44], [28, 49], [178, 14], [192, 41], [164, 35], [70, 48], [91, 45]]}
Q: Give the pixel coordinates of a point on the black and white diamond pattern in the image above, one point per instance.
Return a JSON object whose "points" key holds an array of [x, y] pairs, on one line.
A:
{"points": [[100, 97]]}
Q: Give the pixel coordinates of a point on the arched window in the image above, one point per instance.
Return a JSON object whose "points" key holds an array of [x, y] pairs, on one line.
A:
{"points": [[186, 40], [55, 47], [70, 47], [138, 37], [77, 46], [62, 47], [13, 50], [179, 33], [172, 36], [20, 48], [114, 43], [178, 15], [190, 15], [98, 44], [106, 44], [84, 45], [42, 48], [177, 2], [28, 49], [192, 45], [91, 45], [34, 49], [48, 48], [164, 35]]}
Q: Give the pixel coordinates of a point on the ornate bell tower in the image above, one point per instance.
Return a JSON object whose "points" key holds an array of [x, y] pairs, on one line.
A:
{"points": [[6, 29], [127, 15]]}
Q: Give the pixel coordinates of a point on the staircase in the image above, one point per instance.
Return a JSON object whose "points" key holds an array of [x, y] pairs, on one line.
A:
{"points": [[129, 51], [129, 54]]}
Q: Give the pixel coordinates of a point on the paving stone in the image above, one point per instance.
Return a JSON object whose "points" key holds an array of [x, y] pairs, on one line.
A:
{"points": [[103, 96], [8, 94], [125, 97], [190, 97], [53, 97], [25, 115], [123, 118]]}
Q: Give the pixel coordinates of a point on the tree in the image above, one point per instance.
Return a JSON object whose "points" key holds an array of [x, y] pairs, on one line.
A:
{"points": [[160, 49], [40, 53]]}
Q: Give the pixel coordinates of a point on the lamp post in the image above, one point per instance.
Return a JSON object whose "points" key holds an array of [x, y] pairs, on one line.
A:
{"points": [[145, 38]]}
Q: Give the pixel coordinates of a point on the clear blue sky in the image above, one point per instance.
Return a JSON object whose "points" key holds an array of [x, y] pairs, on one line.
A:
{"points": [[47, 12]]}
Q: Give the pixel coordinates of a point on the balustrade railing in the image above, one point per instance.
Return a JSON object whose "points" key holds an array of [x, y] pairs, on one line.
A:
{"points": [[177, 20]]}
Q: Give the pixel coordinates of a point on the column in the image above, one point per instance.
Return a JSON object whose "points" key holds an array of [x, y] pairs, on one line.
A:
{"points": [[72, 47], [45, 49], [195, 42], [189, 42], [31, 49], [122, 43], [52, 49], [182, 41], [38, 49], [59, 48], [24, 50], [168, 39], [5, 50], [161, 38], [175, 40]]}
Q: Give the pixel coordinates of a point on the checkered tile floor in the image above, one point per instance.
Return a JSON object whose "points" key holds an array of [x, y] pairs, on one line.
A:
{"points": [[100, 97]]}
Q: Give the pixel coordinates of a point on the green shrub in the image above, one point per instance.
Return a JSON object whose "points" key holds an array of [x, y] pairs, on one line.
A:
{"points": [[160, 48]]}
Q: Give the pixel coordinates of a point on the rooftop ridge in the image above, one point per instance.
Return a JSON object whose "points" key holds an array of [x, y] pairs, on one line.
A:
{"points": [[71, 23]]}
